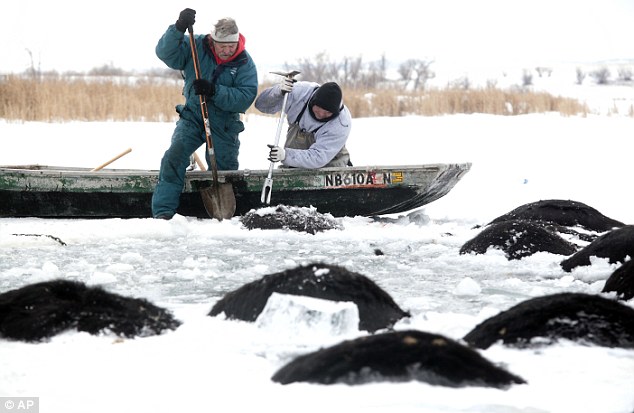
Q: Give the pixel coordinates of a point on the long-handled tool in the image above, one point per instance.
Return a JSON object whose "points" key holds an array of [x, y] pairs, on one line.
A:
{"points": [[199, 162], [219, 199], [268, 182], [103, 165]]}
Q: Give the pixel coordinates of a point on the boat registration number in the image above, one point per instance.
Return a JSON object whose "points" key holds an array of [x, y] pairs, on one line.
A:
{"points": [[362, 179]]}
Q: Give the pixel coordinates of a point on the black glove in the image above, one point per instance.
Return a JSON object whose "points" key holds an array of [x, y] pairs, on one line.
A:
{"points": [[204, 87], [185, 19]]}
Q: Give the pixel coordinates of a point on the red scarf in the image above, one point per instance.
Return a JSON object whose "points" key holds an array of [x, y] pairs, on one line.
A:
{"points": [[240, 49]]}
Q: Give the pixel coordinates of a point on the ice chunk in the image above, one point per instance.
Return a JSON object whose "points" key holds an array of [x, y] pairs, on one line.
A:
{"points": [[469, 287], [302, 315]]}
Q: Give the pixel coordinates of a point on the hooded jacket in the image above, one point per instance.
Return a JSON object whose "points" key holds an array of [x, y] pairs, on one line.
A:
{"points": [[236, 84], [330, 136]]}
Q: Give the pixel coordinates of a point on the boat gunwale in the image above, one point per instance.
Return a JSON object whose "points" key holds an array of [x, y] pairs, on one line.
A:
{"points": [[197, 174]]}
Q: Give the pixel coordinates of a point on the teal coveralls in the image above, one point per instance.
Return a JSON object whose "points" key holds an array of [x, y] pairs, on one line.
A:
{"points": [[236, 85]]}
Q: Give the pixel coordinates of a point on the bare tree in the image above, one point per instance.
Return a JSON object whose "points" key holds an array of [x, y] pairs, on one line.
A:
{"points": [[460, 83], [601, 75], [350, 72], [625, 74], [527, 78], [32, 71], [416, 71], [374, 74], [541, 71], [580, 75], [317, 69], [107, 69], [405, 69]]}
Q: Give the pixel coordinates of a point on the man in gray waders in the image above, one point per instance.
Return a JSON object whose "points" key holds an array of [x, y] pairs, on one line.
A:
{"points": [[319, 124]]}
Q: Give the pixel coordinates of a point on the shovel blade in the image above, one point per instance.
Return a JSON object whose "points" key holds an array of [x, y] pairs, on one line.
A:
{"points": [[219, 201]]}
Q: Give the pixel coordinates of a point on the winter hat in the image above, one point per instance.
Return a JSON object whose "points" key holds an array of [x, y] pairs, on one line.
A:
{"points": [[328, 96], [225, 31]]}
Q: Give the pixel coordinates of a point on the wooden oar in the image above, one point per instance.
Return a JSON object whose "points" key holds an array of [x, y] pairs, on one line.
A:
{"points": [[103, 165], [219, 199], [199, 162]]}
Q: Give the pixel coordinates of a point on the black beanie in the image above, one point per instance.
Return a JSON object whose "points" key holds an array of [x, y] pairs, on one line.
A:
{"points": [[328, 96]]}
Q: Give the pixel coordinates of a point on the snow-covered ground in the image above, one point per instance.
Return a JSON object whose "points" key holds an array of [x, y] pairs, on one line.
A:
{"points": [[185, 265]]}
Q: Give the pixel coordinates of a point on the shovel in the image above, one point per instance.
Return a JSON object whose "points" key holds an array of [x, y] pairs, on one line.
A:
{"points": [[219, 199], [268, 182]]}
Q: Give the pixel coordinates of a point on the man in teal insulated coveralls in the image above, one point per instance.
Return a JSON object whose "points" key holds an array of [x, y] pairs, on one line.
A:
{"points": [[229, 82]]}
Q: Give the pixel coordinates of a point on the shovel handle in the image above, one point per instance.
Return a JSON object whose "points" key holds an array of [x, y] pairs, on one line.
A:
{"points": [[203, 109], [268, 182]]}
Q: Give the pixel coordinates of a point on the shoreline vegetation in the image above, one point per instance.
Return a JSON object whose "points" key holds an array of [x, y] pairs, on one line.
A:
{"points": [[104, 95]]}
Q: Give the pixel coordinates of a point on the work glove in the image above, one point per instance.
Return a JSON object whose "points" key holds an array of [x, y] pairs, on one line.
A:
{"points": [[286, 84], [185, 19], [204, 87], [277, 153]]}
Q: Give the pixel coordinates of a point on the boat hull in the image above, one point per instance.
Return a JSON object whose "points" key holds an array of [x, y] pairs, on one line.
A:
{"points": [[55, 192]]}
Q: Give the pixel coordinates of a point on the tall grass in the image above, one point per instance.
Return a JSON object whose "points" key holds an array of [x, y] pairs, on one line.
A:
{"points": [[54, 99], [447, 101], [85, 98]]}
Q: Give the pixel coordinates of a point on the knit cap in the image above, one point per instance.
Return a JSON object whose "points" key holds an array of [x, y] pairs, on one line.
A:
{"points": [[225, 31], [328, 96]]}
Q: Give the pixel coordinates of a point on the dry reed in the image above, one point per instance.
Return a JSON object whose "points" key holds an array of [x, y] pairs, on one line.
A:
{"points": [[54, 99], [66, 98]]}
